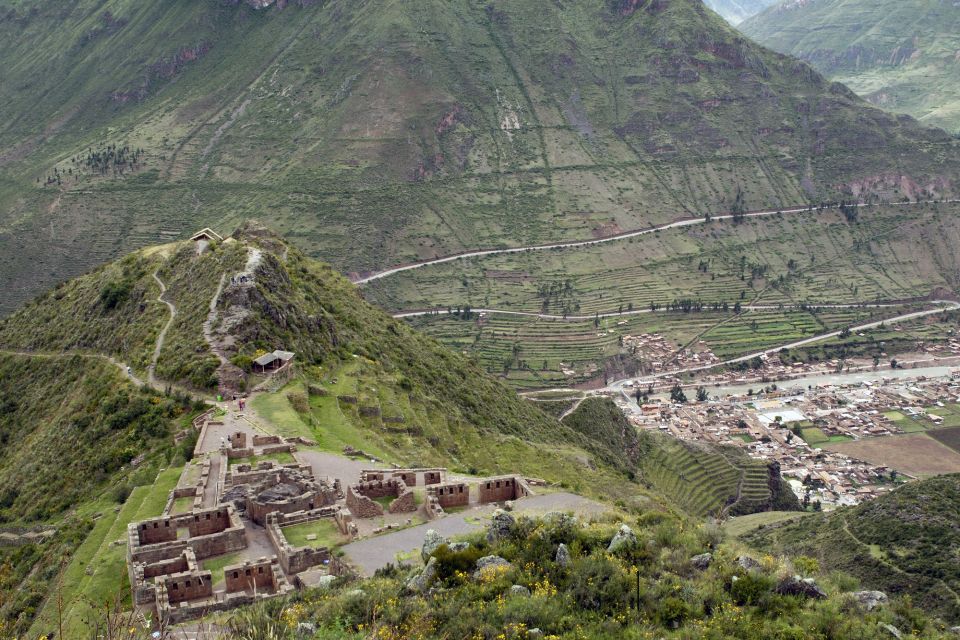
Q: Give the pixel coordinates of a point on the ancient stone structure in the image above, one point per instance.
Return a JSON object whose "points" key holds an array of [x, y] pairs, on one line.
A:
{"points": [[210, 532], [286, 490], [433, 475], [361, 497], [298, 559], [502, 488], [451, 495]]}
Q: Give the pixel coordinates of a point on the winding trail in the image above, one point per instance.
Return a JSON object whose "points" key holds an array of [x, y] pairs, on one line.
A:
{"points": [[151, 370], [211, 319], [124, 369], [571, 244]]}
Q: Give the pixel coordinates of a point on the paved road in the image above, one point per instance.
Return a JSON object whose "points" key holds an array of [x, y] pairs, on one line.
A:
{"points": [[943, 305], [373, 553], [635, 312], [685, 222]]}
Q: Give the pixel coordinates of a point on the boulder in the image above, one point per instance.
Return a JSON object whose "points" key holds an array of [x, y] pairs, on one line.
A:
{"points": [[955, 630], [797, 586], [500, 524], [325, 582], [535, 634], [701, 561], [518, 590], [420, 582], [489, 563], [431, 542], [869, 600], [625, 539], [747, 563], [306, 629], [508, 505], [561, 520], [459, 546], [892, 630], [563, 555]]}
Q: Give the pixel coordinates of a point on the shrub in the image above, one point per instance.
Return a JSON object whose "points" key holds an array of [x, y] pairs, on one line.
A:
{"points": [[298, 400], [121, 493], [750, 587], [450, 562]]}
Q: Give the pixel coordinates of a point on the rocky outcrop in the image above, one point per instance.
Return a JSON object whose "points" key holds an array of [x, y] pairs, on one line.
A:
{"points": [[803, 587], [500, 524], [624, 540]]}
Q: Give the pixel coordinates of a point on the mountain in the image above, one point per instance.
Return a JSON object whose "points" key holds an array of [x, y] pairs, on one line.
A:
{"points": [[901, 56], [87, 448], [736, 11], [903, 543], [376, 133]]}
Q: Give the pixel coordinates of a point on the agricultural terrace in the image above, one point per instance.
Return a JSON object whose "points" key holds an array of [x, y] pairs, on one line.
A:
{"points": [[537, 353], [816, 257]]}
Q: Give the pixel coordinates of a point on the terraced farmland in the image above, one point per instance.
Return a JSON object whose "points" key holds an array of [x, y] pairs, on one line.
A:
{"points": [[817, 257], [534, 352], [704, 481]]}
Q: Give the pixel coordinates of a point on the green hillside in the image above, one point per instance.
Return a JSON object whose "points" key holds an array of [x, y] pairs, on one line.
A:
{"points": [[75, 439], [904, 543], [642, 588], [375, 133], [899, 55]]}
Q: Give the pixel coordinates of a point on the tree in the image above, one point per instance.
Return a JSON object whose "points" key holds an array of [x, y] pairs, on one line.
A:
{"points": [[677, 395], [738, 208], [702, 395]]}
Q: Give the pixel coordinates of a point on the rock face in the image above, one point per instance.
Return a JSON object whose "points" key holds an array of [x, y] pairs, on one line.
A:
{"points": [[870, 600], [701, 561], [422, 581], [500, 524], [747, 563], [563, 555], [797, 586], [489, 563], [431, 542], [624, 540]]}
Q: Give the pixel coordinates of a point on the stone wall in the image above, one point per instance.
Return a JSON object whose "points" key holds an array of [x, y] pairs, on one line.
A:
{"points": [[238, 440], [298, 559], [182, 587], [156, 531], [284, 447], [451, 495], [502, 488], [254, 575], [209, 521], [227, 535], [361, 506], [431, 475], [260, 441], [433, 508], [141, 575], [361, 496]]}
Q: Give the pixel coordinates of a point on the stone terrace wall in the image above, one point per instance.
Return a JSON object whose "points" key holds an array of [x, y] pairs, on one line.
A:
{"points": [[141, 575], [433, 475], [451, 495], [259, 441]]}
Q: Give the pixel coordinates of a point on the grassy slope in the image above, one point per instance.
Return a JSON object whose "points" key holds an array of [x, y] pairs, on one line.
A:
{"points": [[900, 55], [70, 426], [905, 542], [309, 114]]}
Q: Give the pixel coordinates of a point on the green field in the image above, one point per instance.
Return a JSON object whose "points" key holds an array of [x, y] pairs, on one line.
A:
{"points": [[326, 530], [97, 572], [814, 436], [742, 525]]}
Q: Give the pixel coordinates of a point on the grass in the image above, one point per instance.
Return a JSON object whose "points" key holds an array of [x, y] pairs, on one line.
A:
{"points": [[742, 525], [327, 532], [182, 505], [98, 569], [280, 457], [216, 565]]}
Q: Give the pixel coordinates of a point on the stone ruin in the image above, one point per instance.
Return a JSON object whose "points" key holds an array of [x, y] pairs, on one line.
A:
{"points": [[361, 497], [272, 488]]}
